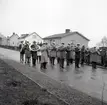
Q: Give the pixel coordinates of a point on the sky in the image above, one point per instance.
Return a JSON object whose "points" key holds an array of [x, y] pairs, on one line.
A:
{"points": [[48, 17]]}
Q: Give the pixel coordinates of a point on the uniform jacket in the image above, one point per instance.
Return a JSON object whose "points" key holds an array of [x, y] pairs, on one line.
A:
{"points": [[44, 55], [27, 51], [34, 49], [77, 52], [53, 51], [62, 52], [95, 57]]}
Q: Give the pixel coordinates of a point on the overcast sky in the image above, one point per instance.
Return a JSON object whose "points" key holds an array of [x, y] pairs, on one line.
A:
{"points": [[47, 17]]}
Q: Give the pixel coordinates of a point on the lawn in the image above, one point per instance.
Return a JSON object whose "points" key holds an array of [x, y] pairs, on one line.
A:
{"points": [[16, 89]]}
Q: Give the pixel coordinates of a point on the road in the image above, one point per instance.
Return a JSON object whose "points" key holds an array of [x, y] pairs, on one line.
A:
{"points": [[84, 79]]}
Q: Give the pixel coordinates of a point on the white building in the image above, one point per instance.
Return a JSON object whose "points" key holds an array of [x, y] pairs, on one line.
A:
{"points": [[30, 37], [67, 37], [13, 40]]}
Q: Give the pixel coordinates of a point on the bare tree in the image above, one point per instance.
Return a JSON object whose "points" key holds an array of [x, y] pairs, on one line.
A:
{"points": [[103, 42]]}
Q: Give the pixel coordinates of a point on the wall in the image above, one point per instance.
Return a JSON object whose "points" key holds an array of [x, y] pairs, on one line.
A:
{"points": [[76, 38], [34, 37], [49, 41], [14, 40], [4, 41]]}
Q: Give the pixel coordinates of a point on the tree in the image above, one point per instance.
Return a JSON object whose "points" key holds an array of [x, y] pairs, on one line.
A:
{"points": [[103, 42]]}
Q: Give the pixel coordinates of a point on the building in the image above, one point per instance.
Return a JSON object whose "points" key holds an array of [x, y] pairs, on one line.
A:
{"points": [[67, 37], [3, 40], [13, 40], [30, 37]]}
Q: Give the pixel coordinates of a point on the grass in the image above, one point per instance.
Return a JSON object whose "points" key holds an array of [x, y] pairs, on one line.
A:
{"points": [[16, 89]]}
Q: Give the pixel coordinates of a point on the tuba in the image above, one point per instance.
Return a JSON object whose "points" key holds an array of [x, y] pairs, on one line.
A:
{"points": [[34, 47]]}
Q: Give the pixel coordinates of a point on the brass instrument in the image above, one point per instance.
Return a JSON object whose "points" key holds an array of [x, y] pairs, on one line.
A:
{"points": [[34, 47]]}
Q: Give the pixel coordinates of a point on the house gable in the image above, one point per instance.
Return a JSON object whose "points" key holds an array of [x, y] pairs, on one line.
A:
{"points": [[75, 38], [34, 37]]}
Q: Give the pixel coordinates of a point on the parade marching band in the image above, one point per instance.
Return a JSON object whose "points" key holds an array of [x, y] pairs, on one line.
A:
{"points": [[49, 53]]}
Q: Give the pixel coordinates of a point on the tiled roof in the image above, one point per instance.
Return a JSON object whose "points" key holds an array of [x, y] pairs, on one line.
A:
{"points": [[64, 35], [23, 36]]}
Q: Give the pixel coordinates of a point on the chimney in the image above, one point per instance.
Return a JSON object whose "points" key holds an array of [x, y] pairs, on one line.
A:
{"points": [[67, 30]]}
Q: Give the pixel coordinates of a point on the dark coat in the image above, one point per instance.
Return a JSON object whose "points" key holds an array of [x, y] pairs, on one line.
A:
{"points": [[34, 51], [77, 53]]}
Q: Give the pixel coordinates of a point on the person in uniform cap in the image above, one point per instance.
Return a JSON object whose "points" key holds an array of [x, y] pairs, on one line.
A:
{"points": [[34, 48], [52, 53], [62, 50], [82, 55], [77, 56], [22, 52], [94, 56], [68, 50], [44, 56], [27, 53]]}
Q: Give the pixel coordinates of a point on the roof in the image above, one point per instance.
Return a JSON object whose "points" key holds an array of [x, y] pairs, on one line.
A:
{"points": [[13, 35], [2, 36], [61, 35], [23, 36], [26, 35]]}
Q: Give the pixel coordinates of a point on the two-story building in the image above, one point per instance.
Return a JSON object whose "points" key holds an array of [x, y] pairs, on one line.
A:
{"points": [[67, 37]]}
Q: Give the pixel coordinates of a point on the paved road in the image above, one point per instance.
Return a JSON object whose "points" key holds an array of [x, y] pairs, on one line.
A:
{"points": [[84, 79]]}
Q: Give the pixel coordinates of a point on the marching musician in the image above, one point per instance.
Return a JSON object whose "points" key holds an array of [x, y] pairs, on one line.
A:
{"points": [[77, 56], [68, 50], [87, 56], [72, 53], [52, 53], [27, 52], [94, 56], [58, 54], [62, 50], [39, 54], [34, 48], [82, 55], [44, 56], [22, 52]]}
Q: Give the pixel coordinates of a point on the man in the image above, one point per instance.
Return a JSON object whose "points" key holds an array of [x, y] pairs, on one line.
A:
{"points": [[27, 53], [103, 55], [94, 56], [62, 50], [34, 48], [82, 55], [22, 52], [77, 56], [52, 53], [72, 53], [87, 56], [68, 50]]}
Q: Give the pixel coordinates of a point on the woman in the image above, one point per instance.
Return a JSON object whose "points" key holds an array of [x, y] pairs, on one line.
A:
{"points": [[44, 56]]}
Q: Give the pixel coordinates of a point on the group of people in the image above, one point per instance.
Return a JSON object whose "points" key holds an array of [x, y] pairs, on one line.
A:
{"points": [[70, 53]]}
